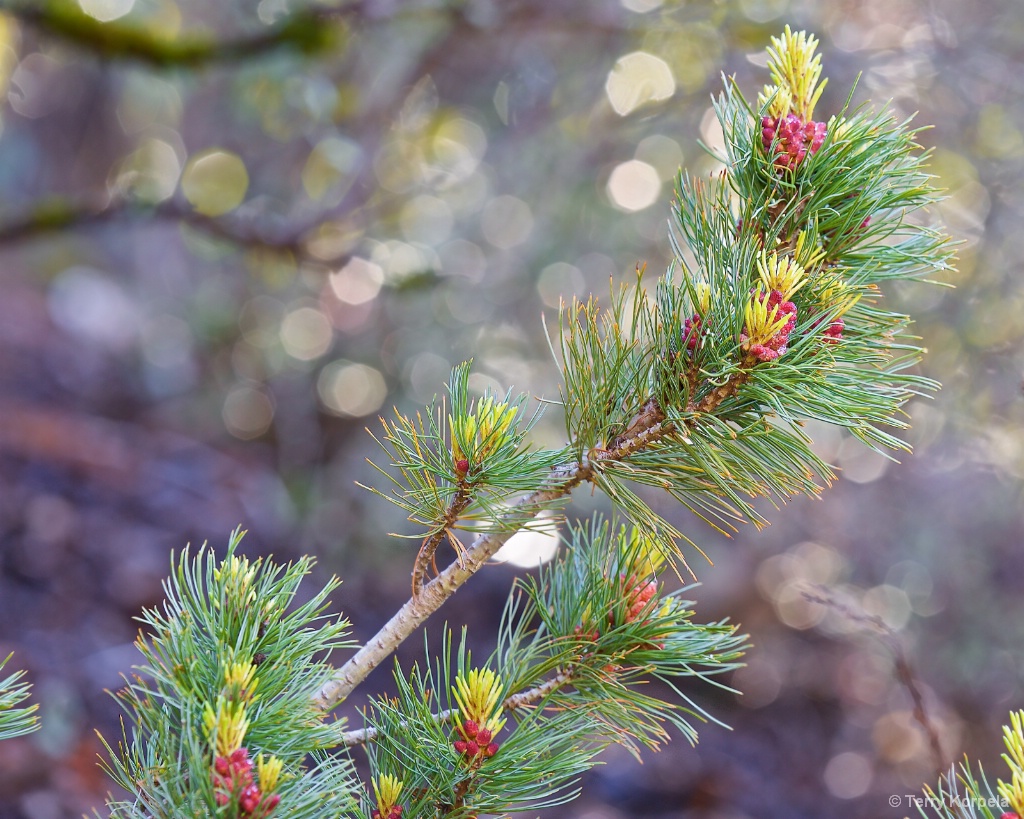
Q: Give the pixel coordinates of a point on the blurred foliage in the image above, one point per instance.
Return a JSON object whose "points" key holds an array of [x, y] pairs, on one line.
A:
{"points": [[213, 277]]}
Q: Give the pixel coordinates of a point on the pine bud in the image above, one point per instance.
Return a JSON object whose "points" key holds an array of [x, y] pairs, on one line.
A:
{"points": [[692, 332], [791, 139], [250, 799], [834, 332], [387, 789], [478, 696], [769, 321]]}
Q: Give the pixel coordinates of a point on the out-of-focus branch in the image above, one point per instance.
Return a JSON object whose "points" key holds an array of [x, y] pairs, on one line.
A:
{"points": [[307, 31], [903, 667], [64, 215]]}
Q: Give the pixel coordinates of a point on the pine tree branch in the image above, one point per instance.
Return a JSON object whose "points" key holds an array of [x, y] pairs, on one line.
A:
{"points": [[433, 595], [362, 736]]}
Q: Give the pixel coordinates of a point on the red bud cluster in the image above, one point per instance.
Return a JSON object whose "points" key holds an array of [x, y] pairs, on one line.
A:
{"points": [[232, 779], [776, 345], [693, 331], [638, 595], [394, 813], [834, 332], [792, 138], [474, 742]]}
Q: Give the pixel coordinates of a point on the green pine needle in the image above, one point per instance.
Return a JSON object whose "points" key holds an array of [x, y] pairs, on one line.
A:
{"points": [[15, 720]]}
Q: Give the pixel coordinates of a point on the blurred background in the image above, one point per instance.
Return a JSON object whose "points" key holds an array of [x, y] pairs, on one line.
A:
{"points": [[218, 266]]}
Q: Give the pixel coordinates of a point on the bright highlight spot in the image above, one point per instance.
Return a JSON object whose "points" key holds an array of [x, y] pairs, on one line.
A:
{"points": [[638, 78], [106, 10], [506, 222], [642, 6], [531, 547], [306, 333], [848, 775], [89, 304], [662, 152], [890, 604], [151, 172], [457, 147], [328, 163], [247, 413], [560, 281], [634, 185], [859, 463], [215, 182], [351, 390], [357, 282]]}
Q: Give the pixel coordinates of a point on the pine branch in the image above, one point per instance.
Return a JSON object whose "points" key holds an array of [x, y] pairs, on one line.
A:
{"points": [[648, 430], [699, 389], [230, 664], [577, 645]]}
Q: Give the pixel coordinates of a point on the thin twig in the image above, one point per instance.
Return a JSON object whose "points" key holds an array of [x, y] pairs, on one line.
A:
{"points": [[425, 556], [361, 736], [905, 673], [57, 216], [417, 609]]}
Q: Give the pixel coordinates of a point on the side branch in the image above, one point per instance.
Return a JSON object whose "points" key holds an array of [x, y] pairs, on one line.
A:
{"points": [[650, 424], [430, 598], [425, 557], [361, 736]]}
